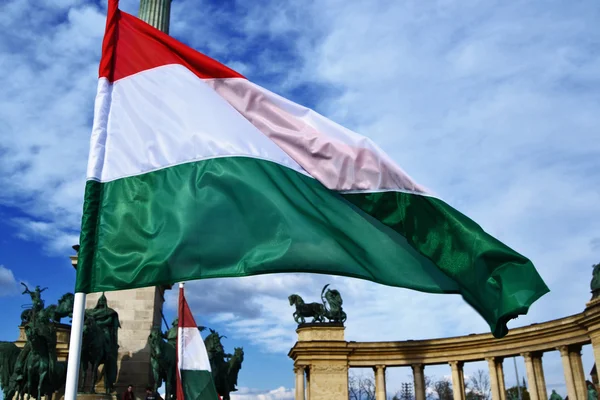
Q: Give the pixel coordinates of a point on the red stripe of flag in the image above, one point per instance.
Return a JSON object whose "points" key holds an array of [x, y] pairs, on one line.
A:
{"points": [[126, 35]]}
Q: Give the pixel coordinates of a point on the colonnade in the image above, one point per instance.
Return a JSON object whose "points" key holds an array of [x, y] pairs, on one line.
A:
{"points": [[571, 357], [322, 357]]}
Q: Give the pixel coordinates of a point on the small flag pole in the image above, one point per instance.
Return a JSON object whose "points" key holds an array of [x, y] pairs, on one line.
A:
{"points": [[75, 347]]}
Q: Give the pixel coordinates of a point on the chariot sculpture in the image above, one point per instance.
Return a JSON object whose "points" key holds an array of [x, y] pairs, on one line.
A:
{"points": [[329, 309]]}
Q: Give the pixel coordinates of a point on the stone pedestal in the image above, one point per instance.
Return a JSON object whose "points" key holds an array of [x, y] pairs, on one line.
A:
{"points": [[327, 371], [96, 396], [139, 310]]}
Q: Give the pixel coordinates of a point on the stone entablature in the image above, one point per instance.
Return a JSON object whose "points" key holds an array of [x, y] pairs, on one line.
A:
{"points": [[321, 352]]}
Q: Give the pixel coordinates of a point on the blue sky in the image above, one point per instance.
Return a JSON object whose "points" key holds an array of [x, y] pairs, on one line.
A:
{"points": [[493, 105]]}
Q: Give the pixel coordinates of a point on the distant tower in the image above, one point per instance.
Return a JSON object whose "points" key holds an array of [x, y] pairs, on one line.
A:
{"points": [[157, 13]]}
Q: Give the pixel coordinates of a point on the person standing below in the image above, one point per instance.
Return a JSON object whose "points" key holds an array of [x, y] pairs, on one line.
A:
{"points": [[152, 395], [128, 395]]}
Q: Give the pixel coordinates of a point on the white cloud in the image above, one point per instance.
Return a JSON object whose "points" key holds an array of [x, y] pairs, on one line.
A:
{"points": [[8, 284], [280, 393], [45, 111]]}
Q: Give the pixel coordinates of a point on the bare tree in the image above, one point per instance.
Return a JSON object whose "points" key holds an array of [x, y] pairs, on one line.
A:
{"points": [[443, 388], [480, 386], [360, 387], [368, 388], [429, 389], [353, 388]]}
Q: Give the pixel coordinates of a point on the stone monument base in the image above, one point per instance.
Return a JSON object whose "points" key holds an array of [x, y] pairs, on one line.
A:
{"points": [[95, 396]]}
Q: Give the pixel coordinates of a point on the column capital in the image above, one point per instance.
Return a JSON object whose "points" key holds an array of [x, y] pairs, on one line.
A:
{"points": [[568, 349], [299, 369], [418, 366], [456, 364], [575, 348], [527, 356], [379, 366]]}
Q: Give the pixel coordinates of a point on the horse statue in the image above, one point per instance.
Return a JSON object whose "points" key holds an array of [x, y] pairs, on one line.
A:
{"points": [[8, 358], [235, 365], [34, 370], [163, 361], [224, 373], [334, 312], [63, 309], [93, 353], [303, 310], [41, 361], [99, 345]]}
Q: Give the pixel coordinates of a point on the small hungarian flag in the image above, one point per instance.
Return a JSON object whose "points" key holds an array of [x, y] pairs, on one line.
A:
{"points": [[194, 376], [196, 172]]}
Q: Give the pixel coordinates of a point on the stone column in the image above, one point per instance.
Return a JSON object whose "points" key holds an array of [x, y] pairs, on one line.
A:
{"points": [[494, 378], [569, 379], [419, 378], [595, 338], [539, 376], [299, 371], [380, 393], [578, 372], [531, 378], [307, 387], [156, 13], [500, 373], [458, 380]]}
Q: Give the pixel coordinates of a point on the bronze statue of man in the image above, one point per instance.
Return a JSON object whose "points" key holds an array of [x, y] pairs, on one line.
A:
{"points": [[108, 320], [36, 317], [171, 334], [36, 297]]}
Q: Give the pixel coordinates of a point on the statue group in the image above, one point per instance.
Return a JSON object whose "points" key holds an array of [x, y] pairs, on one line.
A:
{"points": [[330, 308], [34, 370], [225, 367]]}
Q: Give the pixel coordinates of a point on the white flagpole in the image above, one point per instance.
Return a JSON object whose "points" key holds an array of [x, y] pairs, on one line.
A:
{"points": [[75, 347]]}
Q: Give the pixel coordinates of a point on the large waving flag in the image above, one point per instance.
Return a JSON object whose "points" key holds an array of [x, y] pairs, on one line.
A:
{"points": [[196, 172], [194, 376]]}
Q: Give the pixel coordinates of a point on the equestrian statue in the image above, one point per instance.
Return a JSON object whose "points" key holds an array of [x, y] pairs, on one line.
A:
{"points": [[330, 309], [34, 370], [225, 367], [99, 346]]}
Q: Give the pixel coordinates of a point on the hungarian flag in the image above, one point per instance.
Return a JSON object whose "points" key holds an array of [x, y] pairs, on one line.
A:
{"points": [[196, 172], [194, 376]]}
